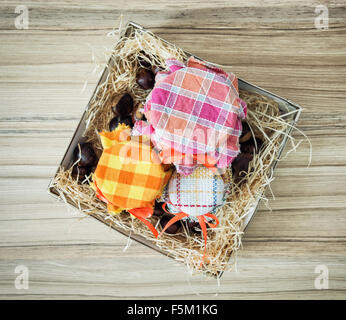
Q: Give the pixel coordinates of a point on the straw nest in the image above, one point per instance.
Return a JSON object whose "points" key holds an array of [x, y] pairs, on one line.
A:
{"points": [[264, 120]]}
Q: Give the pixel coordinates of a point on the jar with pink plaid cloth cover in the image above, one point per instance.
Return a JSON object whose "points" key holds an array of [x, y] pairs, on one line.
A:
{"points": [[194, 115]]}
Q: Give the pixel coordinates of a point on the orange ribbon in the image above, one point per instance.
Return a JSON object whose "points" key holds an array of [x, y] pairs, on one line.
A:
{"points": [[142, 214], [202, 222], [204, 159]]}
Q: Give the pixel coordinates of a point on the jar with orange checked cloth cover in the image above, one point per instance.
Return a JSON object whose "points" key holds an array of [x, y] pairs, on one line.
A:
{"points": [[129, 175], [194, 115]]}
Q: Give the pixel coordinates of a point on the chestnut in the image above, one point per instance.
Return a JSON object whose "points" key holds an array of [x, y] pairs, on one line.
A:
{"points": [[246, 133], [126, 120], [194, 226], [124, 107], [80, 172], [143, 60], [155, 69], [241, 162], [172, 229], [250, 145], [158, 211], [240, 166], [86, 155], [145, 79], [117, 120]]}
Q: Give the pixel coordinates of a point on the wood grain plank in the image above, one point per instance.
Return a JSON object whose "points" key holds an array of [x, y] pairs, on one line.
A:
{"points": [[296, 74], [287, 295], [86, 276], [197, 14], [324, 220], [273, 44], [306, 48]]}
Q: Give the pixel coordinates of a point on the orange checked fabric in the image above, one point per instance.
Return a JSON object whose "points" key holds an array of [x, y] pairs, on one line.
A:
{"points": [[129, 175]]}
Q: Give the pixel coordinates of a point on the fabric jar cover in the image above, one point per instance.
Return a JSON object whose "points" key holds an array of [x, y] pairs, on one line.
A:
{"points": [[196, 194], [195, 197], [194, 115], [128, 176]]}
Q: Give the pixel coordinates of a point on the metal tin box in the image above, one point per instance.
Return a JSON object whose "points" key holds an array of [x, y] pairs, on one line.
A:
{"points": [[284, 105]]}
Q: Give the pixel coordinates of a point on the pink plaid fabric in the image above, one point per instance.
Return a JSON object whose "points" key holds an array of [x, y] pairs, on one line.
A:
{"points": [[194, 109]]}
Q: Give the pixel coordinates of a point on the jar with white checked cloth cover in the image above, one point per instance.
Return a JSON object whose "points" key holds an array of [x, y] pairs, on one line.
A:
{"points": [[196, 194], [195, 197]]}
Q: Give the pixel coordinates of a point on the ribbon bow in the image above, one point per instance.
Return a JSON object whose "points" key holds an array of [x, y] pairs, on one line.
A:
{"points": [[202, 222]]}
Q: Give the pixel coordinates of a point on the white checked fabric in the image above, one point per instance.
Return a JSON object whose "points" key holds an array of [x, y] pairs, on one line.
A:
{"points": [[196, 194]]}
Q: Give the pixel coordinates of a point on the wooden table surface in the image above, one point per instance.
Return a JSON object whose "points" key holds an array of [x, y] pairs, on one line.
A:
{"points": [[273, 44]]}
